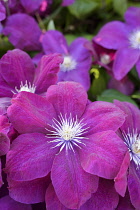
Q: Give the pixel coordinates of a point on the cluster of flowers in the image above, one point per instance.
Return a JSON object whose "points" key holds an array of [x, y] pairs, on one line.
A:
{"points": [[58, 148]]}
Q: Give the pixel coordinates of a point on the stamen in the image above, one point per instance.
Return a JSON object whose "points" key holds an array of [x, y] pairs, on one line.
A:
{"points": [[105, 59], [67, 132], [68, 64], [134, 39], [28, 88], [132, 140]]}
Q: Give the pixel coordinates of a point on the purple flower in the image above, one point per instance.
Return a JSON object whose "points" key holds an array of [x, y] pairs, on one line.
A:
{"points": [[67, 136], [23, 31], [125, 38], [129, 174], [77, 59], [18, 73]]}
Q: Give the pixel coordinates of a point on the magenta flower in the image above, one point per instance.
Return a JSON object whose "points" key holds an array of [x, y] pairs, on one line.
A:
{"points": [[129, 174], [18, 73], [77, 59], [23, 32], [66, 136], [125, 38]]}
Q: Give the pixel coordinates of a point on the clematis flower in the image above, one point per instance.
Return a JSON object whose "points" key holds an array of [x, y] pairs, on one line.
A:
{"points": [[23, 31], [18, 73], [129, 174], [67, 136], [77, 59], [125, 38]]}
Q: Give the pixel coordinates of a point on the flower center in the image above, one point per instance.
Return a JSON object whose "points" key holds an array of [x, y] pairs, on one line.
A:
{"points": [[28, 88], [132, 140], [68, 64], [105, 59], [67, 132], [135, 39]]}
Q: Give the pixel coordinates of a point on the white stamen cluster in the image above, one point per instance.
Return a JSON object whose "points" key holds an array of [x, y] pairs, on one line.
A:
{"points": [[67, 132], [132, 140], [134, 39], [68, 64], [28, 88]]}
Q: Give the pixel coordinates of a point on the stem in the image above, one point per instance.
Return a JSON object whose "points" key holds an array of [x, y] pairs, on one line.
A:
{"points": [[53, 15]]}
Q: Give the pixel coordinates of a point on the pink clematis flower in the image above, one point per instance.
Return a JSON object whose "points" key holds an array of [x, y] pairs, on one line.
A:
{"points": [[67, 136], [129, 174]]}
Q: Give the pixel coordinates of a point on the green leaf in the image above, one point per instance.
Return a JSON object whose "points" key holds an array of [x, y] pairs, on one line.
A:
{"points": [[120, 6], [99, 82], [111, 94], [82, 8]]}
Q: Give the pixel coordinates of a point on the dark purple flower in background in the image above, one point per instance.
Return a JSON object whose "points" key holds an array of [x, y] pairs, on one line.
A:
{"points": [[77, 59], [125, 38], [67, 2], [129, 174], [23, 32], [66, 135], [18, 73]]}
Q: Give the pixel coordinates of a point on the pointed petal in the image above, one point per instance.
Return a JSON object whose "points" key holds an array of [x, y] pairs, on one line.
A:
{"points": [[68, 98], [134, 185], [52, 201], [16, 66], [122, 65], [30, 157], [125, 203], [132, 16], [7, 203], [103, 154], [30, 113], [112, 35], [23, 32], [73, 186], [121, 178], [105, 197], [101, 116], [46, 73], [54, 42], [132, 120], [29, 192]]}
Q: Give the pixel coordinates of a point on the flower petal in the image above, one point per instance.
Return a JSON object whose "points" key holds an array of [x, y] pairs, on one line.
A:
{"points": [[113, 35], [23, 32], [105, 197], [122, 65], [7, 203], [132, 16], [46, 73], [30, 113], [101, 116], [30, 157], [54, 42], [134, 185], [30, 5], [73, 186], [68, 98], [2, 12], [103, 154], [29, 192], [121, 178], [16, 66]]}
